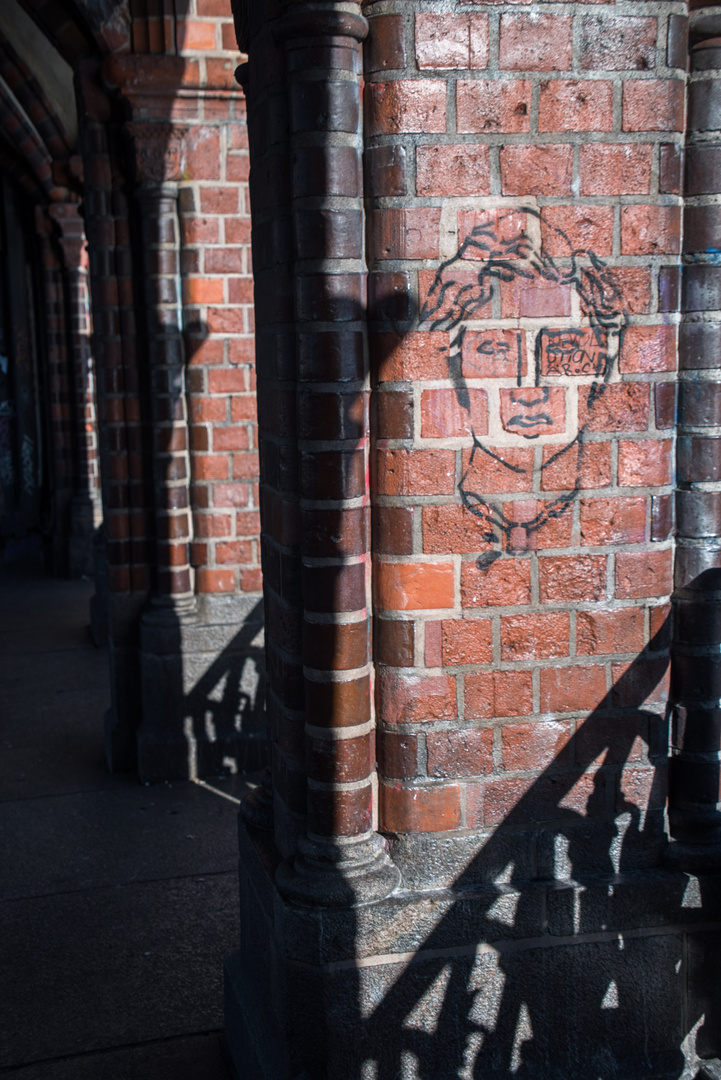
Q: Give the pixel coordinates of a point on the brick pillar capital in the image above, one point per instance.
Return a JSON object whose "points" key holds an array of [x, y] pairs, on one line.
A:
{"points": [[303, 20], [71, 229], [159, 151]]}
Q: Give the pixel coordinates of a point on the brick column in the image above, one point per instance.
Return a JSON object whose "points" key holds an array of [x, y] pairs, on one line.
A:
{"points": [[198, 631], [123, 579], [85, 507], [171, 473], [694, 802], [342, 858], [58, 387]]}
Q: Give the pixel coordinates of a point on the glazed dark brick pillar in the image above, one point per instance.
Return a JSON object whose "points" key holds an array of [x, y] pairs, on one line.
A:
{"points": [[694, 799], [323, 65], [123, 585], [85, 508], [310, 283]]}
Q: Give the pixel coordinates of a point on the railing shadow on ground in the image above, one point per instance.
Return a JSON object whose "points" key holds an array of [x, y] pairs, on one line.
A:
{"points": [[227, 703]]}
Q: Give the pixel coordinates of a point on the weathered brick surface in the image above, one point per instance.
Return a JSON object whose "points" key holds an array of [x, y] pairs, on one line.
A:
{"points": [[218, 300], [531, 512]]}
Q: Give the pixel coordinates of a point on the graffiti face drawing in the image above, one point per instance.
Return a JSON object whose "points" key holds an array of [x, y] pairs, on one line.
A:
{"points": [[540, 334]]}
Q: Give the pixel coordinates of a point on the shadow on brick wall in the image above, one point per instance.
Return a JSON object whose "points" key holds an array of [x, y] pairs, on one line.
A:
{"points": [[565, 950], [601, 993]]}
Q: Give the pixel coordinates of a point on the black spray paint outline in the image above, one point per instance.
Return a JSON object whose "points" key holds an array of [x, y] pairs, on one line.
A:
{"points": [[506, 260]]}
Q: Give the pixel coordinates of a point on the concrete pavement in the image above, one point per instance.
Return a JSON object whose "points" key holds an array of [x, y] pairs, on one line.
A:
{"points": [[118, 902]]}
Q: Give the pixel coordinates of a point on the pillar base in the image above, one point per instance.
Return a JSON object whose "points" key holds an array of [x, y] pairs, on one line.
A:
{"points": [[605, 976], [257, 806], [123, 716], [99, 601], [337, 873], [85, 514], [694, 858], [202, 689]]}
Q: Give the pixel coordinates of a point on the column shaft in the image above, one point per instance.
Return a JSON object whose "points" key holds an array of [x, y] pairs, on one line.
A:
{"points": [[86, 512], [171, 467], [343, 859], [694, 810]]}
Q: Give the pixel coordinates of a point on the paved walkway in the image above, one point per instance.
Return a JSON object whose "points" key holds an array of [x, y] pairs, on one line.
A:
{"points": [[118, 902]]}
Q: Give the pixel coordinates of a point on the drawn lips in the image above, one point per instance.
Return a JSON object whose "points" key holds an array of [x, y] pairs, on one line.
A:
{"points": [[542, 419]]}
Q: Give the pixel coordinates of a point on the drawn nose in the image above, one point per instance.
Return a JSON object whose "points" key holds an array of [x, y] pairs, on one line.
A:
{"points": [[529, 396]]}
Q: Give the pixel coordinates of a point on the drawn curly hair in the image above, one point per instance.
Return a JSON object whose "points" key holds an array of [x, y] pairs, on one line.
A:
{"points": [[450, 303]]}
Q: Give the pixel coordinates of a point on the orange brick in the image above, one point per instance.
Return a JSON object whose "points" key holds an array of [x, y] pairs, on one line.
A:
{"points": [[571, 689], [203, 291], [451, 41], [498, 693], [251, 580], [505, 582], [231, 495], [415, 699], [502, 105], [406, 105], [443, 417], [602, 633], [452, 529], [653, 105], [650, 230], [535, 745], [613, 521], [466, 641], [645, 462], [646, 573], [415, 472], [214, 581], [565, 578], [510, 469], [535, 637], [620, 407], [239, 551], [430, 809], [643, 788], [243, 407], [460, 753], [225, 381], [210, 467], [405, 234], [534, 42], [212, 525], [615, 170], [588, 228], [413, 586], [399, 357], [575, 106], [536, 170], [464, 170], [648, 348], [561, 473], [230, 438], [196, 36]]}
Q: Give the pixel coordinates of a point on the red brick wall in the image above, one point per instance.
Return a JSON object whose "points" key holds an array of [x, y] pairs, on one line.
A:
{"points": [[517, 578], [218, 305], [197, 138]]}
